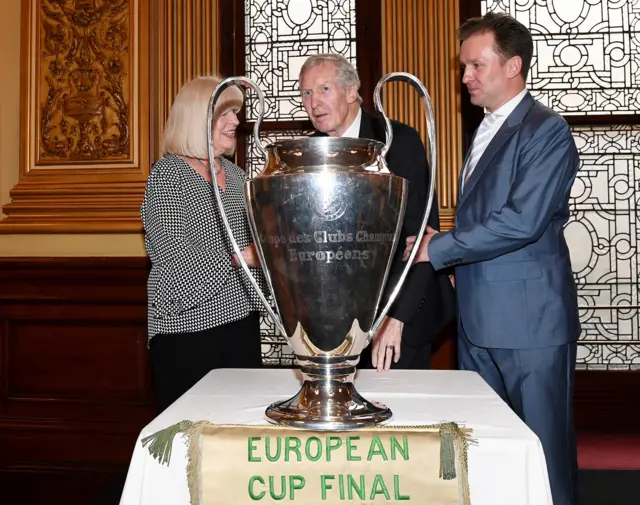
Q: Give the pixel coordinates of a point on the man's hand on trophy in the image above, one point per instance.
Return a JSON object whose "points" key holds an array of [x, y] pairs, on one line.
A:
{"points": [[250, 255], [423, 251], [386, 344]]}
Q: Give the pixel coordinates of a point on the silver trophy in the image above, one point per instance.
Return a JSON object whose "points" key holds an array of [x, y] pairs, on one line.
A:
{"points": [[326, 214]]}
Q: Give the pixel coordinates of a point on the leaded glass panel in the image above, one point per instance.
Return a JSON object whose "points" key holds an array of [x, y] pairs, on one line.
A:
{"points": [[275, 350], [587, 62], [255, 160], [608, 357], [280, 35], [586, 53], [603, 239]]}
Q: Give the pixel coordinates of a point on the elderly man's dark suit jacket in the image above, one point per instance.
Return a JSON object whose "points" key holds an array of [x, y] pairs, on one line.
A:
{"points": [[426, 302]]}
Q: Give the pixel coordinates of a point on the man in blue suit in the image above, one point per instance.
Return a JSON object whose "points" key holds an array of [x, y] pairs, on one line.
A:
{"points": [[517, 302]]}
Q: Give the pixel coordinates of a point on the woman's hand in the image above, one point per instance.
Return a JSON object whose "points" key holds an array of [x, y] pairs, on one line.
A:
{"points": [[250, 255]]}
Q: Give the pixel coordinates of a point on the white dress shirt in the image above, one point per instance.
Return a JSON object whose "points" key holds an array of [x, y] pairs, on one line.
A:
{"points": [[495, 120], [354, 130]]}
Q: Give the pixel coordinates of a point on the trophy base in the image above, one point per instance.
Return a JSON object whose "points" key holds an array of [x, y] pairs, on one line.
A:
{"points": [[328, 405]]}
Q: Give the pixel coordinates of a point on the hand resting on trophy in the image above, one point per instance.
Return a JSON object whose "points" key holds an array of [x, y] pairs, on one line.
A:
{"points": [[423, 251], [250, 255], [387, 344]]}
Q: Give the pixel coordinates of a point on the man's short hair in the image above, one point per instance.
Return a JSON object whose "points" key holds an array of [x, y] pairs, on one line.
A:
{"points": [[185, 132], [347, 74], [511, 36]]}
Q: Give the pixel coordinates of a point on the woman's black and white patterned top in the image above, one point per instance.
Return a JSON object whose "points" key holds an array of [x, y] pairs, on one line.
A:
{"points": [[193, 285]]}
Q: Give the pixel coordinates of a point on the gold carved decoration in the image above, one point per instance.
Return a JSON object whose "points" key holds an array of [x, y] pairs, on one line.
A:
{"points": [[98, 80], [419, 37], [83, 57], [86, 117]]}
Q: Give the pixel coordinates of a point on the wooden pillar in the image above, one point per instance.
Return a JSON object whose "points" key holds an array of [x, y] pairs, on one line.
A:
{"points": [[419, 37], [84, 129], [187, 41]]}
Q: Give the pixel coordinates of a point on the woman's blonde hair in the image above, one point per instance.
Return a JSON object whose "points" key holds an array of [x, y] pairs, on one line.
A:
{"points": [[185, 132]]}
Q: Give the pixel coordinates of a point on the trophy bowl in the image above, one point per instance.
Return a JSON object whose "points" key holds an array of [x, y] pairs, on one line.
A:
{"points": [[326, 215]]}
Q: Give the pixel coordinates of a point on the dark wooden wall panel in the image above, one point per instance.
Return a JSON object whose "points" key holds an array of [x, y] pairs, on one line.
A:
{"points": [[607, 401], [56, 485], [74, 376], [68, 350]]}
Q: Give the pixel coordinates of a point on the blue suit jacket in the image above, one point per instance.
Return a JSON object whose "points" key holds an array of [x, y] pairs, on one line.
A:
{"points": [[514, 282]]}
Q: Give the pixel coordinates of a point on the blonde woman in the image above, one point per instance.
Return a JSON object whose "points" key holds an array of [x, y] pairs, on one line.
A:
{"points": [[202, 311]]}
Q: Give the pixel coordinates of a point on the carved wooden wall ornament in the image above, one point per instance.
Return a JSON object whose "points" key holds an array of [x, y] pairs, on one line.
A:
{"points": [[85, 117]]}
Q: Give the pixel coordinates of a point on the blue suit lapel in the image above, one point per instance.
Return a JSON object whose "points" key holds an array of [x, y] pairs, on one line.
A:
{"points": [[508, 128]]}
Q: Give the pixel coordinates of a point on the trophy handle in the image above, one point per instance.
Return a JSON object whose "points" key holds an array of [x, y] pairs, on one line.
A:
{"points": [[247, 83], [431, 137]]}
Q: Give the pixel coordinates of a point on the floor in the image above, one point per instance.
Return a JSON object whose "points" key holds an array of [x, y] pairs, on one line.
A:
{"points": [[609, 487], [609, 451], [609, 468]]}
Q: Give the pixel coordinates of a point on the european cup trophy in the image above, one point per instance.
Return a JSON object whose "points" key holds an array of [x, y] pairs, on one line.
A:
{"points": [[326, 215]]}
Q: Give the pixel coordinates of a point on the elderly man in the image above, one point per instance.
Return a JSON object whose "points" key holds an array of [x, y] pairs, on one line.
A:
{"points": [[329, 86]]}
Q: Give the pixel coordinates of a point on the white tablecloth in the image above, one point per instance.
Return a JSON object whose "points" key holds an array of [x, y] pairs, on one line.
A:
{"points": [[507, 467]]}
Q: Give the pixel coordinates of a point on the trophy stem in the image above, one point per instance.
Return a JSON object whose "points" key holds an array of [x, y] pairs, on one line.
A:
{"points": [[328, 400]]}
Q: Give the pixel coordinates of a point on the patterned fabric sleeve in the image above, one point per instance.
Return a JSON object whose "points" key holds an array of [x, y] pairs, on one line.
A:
{"points": [[191, 274]]}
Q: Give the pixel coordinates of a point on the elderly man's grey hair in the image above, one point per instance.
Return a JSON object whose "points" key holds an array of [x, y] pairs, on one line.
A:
{"points": [[347, 74]]}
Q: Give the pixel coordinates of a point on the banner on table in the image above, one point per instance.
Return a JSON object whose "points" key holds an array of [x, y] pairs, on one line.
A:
{"points": [[244, 465]]}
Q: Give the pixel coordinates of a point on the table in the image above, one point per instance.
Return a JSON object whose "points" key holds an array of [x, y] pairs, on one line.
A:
{"points": [[507, 467]]}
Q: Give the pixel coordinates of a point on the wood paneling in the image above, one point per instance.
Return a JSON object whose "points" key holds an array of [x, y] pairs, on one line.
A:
{"points": [[84, 128], [74, 376], [69, 345], [98, 80], [607, 401], [419, 37], [188, 37], [53, 485], [444, 351]]}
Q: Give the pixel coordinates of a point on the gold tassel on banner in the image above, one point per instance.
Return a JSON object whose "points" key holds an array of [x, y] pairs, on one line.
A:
{"points": [[193, 463], [161, 442], [447, 452]]}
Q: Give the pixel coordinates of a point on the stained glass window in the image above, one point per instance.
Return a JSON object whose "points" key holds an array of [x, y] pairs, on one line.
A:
{"points": [[255, 159], [603, 238], [279, 36], [587, 62], [586, 53]]}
